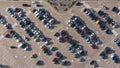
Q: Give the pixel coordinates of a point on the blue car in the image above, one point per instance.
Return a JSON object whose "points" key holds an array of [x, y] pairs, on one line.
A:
{"points": [[87, 39], [42, 11], [11, 11], [69, 48], [115, 58], [117, 41], [18, 18]]}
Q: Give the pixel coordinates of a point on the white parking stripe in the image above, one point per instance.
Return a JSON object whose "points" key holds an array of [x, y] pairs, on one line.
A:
{"points": [[86, 5], [14, 25], [16, 56], [28, 12], [114, 32], [1, 37], [6, 16]]}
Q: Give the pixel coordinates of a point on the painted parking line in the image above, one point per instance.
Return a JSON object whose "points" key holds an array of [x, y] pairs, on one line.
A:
{"points": [[53, 40], [97, 9], [26, 67], [14, 25], [87, 58], [82, 9], [16, 56], [98, 60], [1, 37], [97, 32], [72, 14], [6, 16], [102, 45], [2, 28], [24, 56], [67, 28], [51, 30], [86, 4], [114, 32], [28, 13], [72, 60], [39, 54]]}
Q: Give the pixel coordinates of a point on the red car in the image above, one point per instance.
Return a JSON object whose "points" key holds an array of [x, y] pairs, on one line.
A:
{"points": [[93, 46], [67, 38], [8, 32], [18, 10], [54, 59]]}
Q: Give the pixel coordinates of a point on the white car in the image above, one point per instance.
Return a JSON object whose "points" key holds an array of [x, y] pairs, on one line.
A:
{"points": [[52, 21], [37, 14], [112, 55], [23, 46]]}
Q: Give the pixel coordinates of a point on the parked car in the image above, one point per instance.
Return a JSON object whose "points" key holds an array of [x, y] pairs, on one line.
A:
{"points": [[58, 54], [40, 62], [56, 60], [26, 5], [103, 55], [66, 63], [115, 58], [117, 41], [13, 47], [94, 63], [116, 10], [10, 11], [23, 46], [93, 46]]}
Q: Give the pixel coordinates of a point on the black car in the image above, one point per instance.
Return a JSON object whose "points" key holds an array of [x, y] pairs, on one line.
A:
{"points": [[26, 5], [38, 5], [40, 62], [116, 58], [108, 50], [41, 18], [94, 62], [101, 13], [79, 4], [34, 10], [77, 55], [103, 55], [13, 47], [115, 9], [66, 63], [72, 25]]}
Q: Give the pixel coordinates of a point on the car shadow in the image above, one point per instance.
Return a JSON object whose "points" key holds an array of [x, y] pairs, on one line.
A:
{"points": [[4, 66]]}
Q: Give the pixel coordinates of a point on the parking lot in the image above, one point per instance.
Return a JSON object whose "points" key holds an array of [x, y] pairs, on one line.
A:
{"points": [[19, 58]]}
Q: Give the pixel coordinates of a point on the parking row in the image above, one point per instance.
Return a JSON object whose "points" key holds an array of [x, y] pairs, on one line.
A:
{"points": [[79, 25], [4, 22], [110, 52], [75, 47], [45, 17], [107, 19], [10, 33], [97, 20], [28, 26]]}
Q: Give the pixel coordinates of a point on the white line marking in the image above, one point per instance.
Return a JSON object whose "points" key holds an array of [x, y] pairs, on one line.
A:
{"points": [[1, 37], [24, 56], [16, 56], [14, 25], [115, 32], [86, 5], [51, 30]]}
